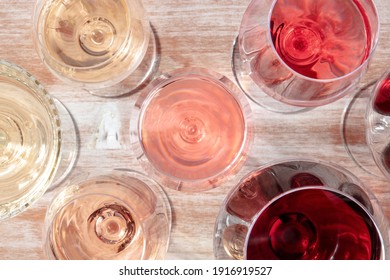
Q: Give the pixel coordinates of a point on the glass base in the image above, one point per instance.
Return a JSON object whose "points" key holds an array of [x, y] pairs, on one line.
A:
{"points": [[353, 132], [69, 142], [241, 71], [137, 79]]}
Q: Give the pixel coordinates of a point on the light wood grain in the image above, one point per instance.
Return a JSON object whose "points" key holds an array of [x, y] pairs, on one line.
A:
{"points": [[190, 33]]}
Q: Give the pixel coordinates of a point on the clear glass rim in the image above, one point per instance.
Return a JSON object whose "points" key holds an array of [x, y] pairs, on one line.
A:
{"points": [[287, 160], [222, 81]]}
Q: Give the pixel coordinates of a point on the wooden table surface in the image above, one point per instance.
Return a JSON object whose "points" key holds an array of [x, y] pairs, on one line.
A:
{"points": [[191, 33]]}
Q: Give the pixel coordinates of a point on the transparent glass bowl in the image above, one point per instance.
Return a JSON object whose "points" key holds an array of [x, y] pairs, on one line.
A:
{"points": [[121, 214], [270, 82], [95, 48], [191, 129]]}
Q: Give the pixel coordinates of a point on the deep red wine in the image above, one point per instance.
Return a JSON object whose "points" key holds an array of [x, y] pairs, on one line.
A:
{"points": [[313, 224], [382, 97], [382, 106], [321, 39]]}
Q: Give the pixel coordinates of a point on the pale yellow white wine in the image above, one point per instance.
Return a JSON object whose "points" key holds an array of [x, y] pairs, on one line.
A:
{"points": [[29, 140], [93, 42]]}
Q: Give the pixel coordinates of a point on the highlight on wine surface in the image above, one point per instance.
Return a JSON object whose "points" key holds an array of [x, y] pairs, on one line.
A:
{"points": [[295, 51], [30, 140], [191, 129], [94, 43], [377, 119], [301, 210], [121, 215]]}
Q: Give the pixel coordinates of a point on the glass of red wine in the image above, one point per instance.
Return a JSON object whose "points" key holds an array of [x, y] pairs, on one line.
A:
{"points": [[191, 129], [303, 53], [378, 124], [301, 210]]}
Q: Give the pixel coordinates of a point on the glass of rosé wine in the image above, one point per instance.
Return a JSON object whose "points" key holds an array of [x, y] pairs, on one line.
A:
{"points": [[301, 210], [120, 214], [378, 124], [292, 55], [105, 47], [191, 129]]}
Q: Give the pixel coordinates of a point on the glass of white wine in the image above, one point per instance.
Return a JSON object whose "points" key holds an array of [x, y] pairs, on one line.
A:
{"points": [[33, 154], [120, 214], [96, 44]]}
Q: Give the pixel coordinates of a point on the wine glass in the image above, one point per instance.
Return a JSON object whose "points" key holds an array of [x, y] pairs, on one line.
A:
{"points": [[378, 123], [191, 129], [303, 54], [33, 127], [301, 209], [120, 214], [96, 44], [364, 127]]}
